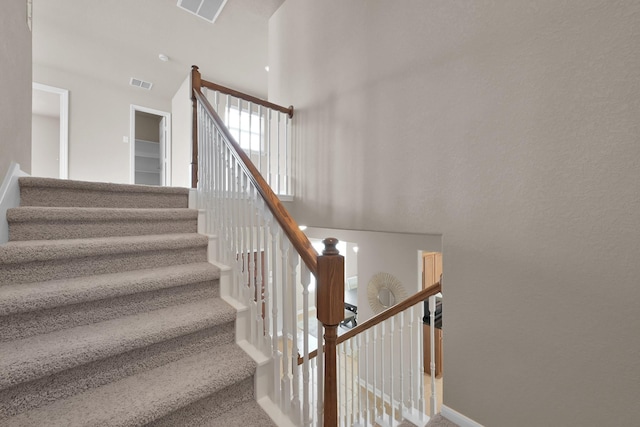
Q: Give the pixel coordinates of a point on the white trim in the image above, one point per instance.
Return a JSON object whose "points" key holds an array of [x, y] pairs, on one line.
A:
{"points": [[9, 197], [132, 141], [458, 418], [63, 163]]}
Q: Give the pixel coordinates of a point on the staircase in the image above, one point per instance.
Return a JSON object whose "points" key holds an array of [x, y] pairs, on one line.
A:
{"points": [[111, 315]]}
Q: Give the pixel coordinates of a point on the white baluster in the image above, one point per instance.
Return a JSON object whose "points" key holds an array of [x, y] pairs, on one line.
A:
{"points": [[278, 185], [421, 397], [305, 280], [401, 364], [432, 332], [250, 129], [274, 228], [293, 265], [269, 152], [286, 154], [412, 368], [252, 256], [343, 410], [376, 411], [368, 407], [353, 394], [392, 347], [286, 386]]}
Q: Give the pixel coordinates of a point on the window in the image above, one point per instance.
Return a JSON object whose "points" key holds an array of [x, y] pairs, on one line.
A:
{"points": [[245, 128]]}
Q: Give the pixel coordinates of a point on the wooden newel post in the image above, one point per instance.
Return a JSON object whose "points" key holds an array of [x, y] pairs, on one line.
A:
{"points": [[196, 84], [330, 294]]}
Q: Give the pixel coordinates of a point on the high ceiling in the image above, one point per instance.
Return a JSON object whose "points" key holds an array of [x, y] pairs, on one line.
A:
{"points": [[114, 40]]}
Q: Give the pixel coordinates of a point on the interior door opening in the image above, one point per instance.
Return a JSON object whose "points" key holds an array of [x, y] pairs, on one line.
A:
{"points": [[150, 146], [49, 132]]}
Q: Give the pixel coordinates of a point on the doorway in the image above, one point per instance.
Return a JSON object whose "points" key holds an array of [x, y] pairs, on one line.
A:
{"points": [[49, 132], [150, 138]]}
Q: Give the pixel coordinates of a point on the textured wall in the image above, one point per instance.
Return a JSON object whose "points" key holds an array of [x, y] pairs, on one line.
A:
{"points": [[15, 86], [511, 128]]}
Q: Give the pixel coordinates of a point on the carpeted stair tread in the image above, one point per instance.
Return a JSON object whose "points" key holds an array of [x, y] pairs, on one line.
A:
{"points": [[27, 297], [247, 414], [144, 397], [59, 192], [41, 260], [41, 355], [45, 250], [48, 223]]}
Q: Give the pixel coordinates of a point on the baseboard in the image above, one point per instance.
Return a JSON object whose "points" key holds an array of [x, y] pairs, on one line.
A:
{"points": [[278, 417], [9, 197], [458, 418]]}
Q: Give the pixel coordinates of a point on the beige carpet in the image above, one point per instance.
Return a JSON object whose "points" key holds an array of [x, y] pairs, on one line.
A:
{"points": [[437, 421], [111, 315]]}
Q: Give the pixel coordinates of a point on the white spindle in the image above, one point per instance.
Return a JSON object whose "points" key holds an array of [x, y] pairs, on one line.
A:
{"points": [[274, 313], [353, 394], [278, 185], [421, 402], [253, 256], [286, 155], [401, 363], [368, 407], [432, 332], [305, 280], [392, 347], [293, 264], [286, 386]]}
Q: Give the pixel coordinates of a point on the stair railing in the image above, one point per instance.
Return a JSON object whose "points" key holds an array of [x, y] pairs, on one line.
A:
{"points": [[262, 128], [381, 364], [271, 262]]}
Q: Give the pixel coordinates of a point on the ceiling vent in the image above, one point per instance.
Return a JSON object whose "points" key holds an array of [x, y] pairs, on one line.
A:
{"points": [[205, 9], [140, 83]]}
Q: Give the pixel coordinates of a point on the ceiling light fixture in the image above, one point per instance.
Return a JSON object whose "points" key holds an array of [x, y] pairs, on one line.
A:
{"points": [[266, 68], [164, 58]]}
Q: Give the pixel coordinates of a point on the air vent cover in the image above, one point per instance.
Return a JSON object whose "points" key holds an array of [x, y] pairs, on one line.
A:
{"points": [[140, 83], [205, 9]]}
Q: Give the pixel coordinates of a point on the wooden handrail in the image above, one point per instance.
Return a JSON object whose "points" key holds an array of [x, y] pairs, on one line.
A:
{"points": [[249, 98], [297, 238], [387, 314]]}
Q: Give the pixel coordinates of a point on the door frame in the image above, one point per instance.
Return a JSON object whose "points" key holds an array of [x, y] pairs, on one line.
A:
{"points": [[132, 143], [63, 163]]}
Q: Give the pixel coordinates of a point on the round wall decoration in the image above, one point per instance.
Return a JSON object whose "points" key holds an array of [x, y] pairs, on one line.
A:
{"points": [[383, 291]]}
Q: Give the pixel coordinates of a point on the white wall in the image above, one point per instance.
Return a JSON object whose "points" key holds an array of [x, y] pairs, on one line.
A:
{"points": [[45, 154], [15, 86], [99, 118], [511, 128]]}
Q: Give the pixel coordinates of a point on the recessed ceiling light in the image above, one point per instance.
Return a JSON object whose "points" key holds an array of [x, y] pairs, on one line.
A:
{"points": [[302, 227], [162, 57], [266, 68]]}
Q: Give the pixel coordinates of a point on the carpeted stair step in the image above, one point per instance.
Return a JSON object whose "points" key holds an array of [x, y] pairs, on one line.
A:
{"points": [[43, 391], [212, 411], [148, 396], [49, 223], [38, 308], [66, 193], [36, 357], [40, 260]]}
